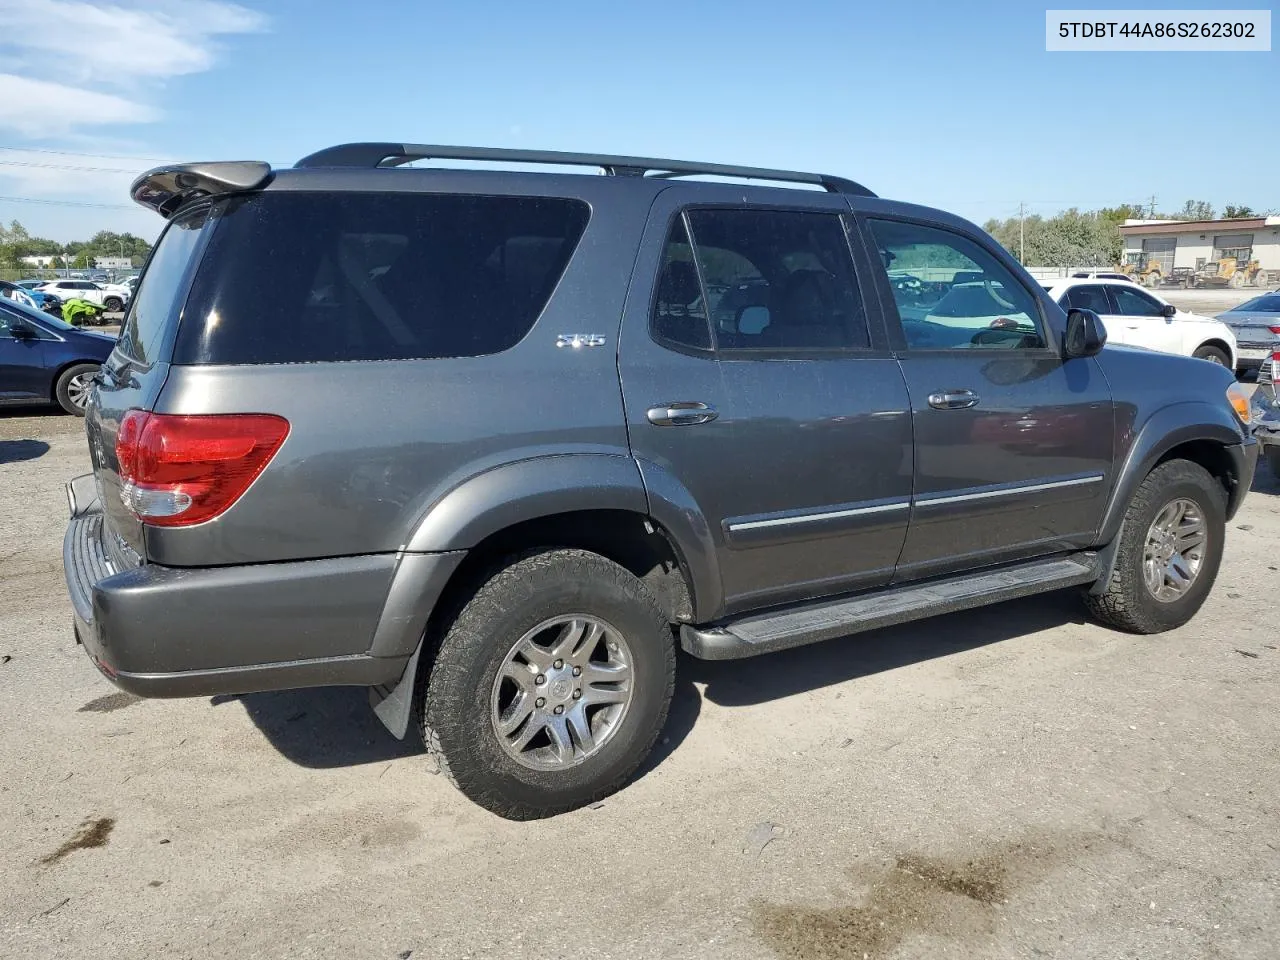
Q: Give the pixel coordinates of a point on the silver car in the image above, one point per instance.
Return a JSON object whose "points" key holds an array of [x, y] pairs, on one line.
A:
{"points": [[1256, 324]]}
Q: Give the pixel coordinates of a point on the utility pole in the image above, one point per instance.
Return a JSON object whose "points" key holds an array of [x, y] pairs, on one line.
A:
{"points": [[1022, 238], [1152, 213]]}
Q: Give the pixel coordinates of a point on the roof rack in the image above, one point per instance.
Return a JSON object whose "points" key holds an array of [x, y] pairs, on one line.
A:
{"points": [[397, 154]]}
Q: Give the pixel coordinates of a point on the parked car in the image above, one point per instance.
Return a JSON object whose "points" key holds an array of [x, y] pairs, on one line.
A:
{"points": [[1103, 275], [43, 360], [1140, 318], [567, 459], [13, 292], [111, 297], [1266, 411], [31, 283], [1256, 325]]}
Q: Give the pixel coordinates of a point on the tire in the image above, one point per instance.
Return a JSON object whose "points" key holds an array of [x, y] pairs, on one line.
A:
{"points": [[461, 698], [72, 388], [1213, 355], [1273, 459], [1128, 603], [113, 304]]}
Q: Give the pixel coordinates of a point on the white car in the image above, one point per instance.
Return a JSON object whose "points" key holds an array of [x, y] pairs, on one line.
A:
{"points": [[1138, 318], [113, 297]]}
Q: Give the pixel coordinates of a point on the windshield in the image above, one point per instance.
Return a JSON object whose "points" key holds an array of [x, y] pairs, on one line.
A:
{"points": [[1267, 303]]}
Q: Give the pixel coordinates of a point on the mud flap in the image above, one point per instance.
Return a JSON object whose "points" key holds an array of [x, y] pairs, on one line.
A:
{"points": [[394, 705]]}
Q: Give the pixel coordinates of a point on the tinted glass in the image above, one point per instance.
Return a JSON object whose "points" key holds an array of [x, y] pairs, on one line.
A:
{"points": [[1132, 302], [679, 315], [156, 304], [953, 294], [1267, 303], [1088, 298], [12, 312], [295, 277], [778, 280]]}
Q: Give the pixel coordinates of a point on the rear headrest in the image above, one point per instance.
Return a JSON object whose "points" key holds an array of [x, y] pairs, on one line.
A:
{"points": [[679, 283], [809, 298]]}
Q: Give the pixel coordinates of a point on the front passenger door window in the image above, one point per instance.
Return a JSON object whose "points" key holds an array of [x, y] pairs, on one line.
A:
{"points": [[953, 295]]}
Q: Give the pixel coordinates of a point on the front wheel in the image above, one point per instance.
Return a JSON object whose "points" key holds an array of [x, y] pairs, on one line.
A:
{"points": [[1213, 355], [550, 686], [113, 304], [1170, 549]]}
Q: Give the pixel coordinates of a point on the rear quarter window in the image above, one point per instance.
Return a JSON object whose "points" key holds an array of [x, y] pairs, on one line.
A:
{"points": [[156, 305], [305, 277]]}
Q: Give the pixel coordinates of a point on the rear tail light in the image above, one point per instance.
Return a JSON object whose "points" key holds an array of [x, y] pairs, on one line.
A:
{"points": [[1275, 330], [177, 470]]}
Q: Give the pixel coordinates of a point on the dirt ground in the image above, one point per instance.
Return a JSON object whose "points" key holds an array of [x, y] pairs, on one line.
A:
{"points": [[1014, 782]]}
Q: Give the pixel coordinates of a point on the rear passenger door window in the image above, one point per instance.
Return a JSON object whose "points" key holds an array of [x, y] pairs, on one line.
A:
{"points": [[775, 281], [951, 294], [1088, 298]]}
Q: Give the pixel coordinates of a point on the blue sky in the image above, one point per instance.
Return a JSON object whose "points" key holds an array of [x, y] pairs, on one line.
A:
{"points": [[951, 104]]}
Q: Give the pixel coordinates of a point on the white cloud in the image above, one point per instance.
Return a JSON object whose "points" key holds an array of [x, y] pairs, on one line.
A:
{"points": [[111, 43], [74, 63], [39, 108]]}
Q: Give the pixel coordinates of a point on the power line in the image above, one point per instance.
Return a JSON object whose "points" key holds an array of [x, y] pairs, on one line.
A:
{"points": [[67, 203], [71, 153], [68, 167]]}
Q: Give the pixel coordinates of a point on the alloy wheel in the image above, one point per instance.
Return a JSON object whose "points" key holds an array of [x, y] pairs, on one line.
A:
{"points": [[1174, 550], [562, 692]]}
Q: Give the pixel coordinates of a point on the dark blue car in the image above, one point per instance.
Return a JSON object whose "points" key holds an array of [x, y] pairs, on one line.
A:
{"points": [[43, 360]]}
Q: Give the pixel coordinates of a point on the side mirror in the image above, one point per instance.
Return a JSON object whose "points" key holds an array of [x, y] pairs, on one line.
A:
{"points": [[1170, 311], [21, 330], [1086, 336]]}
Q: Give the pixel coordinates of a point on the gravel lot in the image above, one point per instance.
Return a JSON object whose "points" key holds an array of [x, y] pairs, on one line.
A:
{"points": [[1014, 782]]}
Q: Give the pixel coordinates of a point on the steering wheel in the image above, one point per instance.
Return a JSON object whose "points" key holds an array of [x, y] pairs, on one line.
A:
{"points": [[994, 337], [991, 292]]}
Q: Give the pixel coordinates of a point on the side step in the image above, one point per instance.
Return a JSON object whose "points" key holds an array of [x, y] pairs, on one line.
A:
{"points": [[824, 620]]}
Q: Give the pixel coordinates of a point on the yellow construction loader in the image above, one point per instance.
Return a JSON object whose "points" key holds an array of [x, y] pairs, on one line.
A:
{"points": [[1148, 274]]}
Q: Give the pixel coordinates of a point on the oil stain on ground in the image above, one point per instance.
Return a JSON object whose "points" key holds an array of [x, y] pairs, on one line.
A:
{"points": [[956, 899], [112, 701], [91, 833]]}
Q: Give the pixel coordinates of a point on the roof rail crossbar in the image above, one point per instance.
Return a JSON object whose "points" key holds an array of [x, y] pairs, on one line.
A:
{"points": [[397, 154]]}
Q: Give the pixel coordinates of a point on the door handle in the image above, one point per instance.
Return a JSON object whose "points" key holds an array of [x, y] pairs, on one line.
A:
{"points": [[681, 413], [953, 399]]}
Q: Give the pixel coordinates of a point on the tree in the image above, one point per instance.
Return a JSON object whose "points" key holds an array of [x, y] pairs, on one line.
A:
{"points": [[1238, 213], [1195, 210]]}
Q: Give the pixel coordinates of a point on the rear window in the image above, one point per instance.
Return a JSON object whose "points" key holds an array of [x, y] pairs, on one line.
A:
{"points": [[1267, 303], [298, 277]]}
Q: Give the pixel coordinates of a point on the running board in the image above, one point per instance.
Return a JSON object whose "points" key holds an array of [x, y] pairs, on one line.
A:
{"points": [[825, 620]]}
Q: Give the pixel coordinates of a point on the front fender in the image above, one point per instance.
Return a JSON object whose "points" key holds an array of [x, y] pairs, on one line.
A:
{"points": [[1165, 429], [526, 490]]}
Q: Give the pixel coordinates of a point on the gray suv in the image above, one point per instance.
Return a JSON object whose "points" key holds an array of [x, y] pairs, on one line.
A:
{"points": [[493, 444]]}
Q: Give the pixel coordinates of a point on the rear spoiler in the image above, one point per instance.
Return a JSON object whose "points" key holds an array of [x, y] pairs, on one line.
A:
{"points": [[166, 189]]}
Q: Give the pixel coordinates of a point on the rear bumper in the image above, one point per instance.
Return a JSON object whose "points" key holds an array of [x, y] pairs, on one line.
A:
{"points": [[175, 632]]}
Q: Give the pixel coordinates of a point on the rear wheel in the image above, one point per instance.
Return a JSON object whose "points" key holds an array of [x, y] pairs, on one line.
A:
{"points": [[72, 388], [1169, 553], [1213, 355], [550, 686]]}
